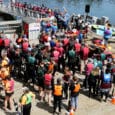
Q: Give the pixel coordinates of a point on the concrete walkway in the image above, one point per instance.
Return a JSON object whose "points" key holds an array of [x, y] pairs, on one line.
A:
{"points": [[87, 106]]}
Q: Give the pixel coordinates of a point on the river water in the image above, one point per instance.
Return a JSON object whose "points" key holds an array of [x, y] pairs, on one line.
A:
{"points": [[98, 8]]}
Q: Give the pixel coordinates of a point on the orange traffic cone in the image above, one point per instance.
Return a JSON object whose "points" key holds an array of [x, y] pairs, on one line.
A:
{"points": [[113, 100], [71, 112]]}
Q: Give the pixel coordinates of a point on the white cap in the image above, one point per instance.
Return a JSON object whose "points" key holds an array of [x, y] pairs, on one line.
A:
{"points": [[25, 89]]}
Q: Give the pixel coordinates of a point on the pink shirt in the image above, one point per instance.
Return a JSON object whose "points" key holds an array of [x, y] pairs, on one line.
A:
{"points": [[89, 68]]}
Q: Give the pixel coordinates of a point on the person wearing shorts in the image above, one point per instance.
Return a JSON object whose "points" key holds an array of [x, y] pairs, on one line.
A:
{"points": [[9, 91]]}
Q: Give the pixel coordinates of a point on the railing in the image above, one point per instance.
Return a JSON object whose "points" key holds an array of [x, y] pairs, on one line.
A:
{"points": [[13, 8]]}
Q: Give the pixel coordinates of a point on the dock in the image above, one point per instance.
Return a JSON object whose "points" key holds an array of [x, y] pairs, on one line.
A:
{"points": [[86, 106]]}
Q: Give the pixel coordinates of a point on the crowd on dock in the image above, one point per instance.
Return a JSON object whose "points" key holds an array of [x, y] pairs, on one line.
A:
{"points": [[63, 48], [32, 10]]}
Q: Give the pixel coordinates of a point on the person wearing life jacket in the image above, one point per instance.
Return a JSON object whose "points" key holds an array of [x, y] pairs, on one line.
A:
{"points": [[107, 33], [105, 84], [6, 42], [113, 77], [88, 68], [57, 92], [25, 44], [4, 73], [5, 62], [26, 100], [74, 92], [93, 81], [9, 91], [84, 52], [113, 56], [66, 80], [48, 86], [51, 66], [1, 43], [77, 47], [31, 67], [19, 40], [61, 60], [71, 55]]}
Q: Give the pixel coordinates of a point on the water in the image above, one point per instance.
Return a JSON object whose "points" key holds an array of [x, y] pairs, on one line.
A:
{"points": [[98, 8]]}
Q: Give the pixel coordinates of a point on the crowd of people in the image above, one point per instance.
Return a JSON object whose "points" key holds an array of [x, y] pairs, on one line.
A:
{"points": [[62, 48], [31, 10]]}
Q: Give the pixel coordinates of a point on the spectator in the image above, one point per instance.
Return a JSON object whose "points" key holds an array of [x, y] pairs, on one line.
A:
{"points": [[26, 100], [9, 91], [74, 89], [57, 92], [105, 86]]}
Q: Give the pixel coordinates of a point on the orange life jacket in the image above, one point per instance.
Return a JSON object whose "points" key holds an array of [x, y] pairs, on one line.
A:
{"points": [[4, 74], [58, 90], [51, 67], [77, 88]]}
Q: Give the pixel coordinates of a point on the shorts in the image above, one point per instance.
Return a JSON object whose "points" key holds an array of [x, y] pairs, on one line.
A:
{"points": [[9, 94], [48, 87], [41, 82]]}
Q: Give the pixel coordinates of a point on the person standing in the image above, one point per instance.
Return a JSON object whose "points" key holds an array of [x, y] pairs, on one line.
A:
{"points": [[107, 33], [57, 92], [74, 93], [48, 86], [26, 100], [88, 68], [9, 91], [106, 82], [66, 80]]}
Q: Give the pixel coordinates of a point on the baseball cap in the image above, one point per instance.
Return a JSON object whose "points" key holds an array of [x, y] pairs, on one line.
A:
{"points": [[25, 89]]}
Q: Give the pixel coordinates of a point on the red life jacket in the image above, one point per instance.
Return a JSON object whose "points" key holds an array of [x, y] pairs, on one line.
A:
{"points": [[25, 46], [6, 42], [1, 41], [77, 47], [48, 78]]}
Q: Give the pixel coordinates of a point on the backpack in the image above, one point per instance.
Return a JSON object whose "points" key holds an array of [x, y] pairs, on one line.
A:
{"points": [[107, 78], [1, 42]]}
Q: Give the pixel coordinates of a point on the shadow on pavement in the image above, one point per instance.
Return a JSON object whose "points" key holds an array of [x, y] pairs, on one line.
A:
{"points": [[12, 113], [1, 101], [86, 93], [44, 106]]}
